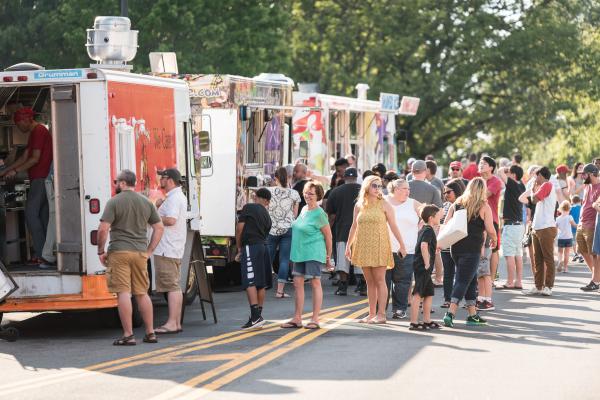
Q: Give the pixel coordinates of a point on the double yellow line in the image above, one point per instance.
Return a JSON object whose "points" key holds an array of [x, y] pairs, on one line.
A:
{"points": [[168, 354]]}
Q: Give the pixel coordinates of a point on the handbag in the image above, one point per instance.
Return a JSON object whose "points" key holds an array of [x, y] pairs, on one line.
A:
{"points": [[455, 230], [526, 242]]}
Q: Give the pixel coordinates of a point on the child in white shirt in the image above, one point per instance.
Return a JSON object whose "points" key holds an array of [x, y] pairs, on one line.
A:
{"points": [[564, 222]]}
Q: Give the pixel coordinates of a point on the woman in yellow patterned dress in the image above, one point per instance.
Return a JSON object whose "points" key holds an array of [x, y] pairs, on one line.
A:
{"points": [[369, 244]]}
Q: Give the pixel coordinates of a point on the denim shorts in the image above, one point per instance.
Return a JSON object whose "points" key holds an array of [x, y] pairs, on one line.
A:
{"points": [[308, 269], [563, 243]]}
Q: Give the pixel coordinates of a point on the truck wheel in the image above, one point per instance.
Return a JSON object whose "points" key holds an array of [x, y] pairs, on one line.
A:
{"points": [[191, 291], [10, 334]]}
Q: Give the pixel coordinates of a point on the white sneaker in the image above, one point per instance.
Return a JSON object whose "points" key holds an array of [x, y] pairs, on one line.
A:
{"points": [[532, 291], [546, 291]]}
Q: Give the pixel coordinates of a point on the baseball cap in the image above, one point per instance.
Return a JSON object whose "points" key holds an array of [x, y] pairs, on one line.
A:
{"points": [[590, 169], [419, 166], [172, 173], [562, 169], [456, 164], [351, 172], [23, 113]]}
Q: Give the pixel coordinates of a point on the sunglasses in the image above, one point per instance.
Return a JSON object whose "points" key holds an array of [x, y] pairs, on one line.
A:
{"points": [[448, 191], [455, 169], [376, 186]]}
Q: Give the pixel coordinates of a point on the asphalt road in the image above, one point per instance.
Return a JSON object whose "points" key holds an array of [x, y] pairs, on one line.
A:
{"points": [[533, 347]]}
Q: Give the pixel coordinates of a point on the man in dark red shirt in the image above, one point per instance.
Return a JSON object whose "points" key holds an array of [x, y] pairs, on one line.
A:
{"points": [[36, 160]]}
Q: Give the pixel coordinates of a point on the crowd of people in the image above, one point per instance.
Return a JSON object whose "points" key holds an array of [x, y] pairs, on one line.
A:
{"points": [[378, 230]]}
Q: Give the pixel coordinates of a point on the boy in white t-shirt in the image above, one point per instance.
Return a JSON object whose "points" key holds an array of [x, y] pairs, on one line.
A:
{"points": [[564, 222]]}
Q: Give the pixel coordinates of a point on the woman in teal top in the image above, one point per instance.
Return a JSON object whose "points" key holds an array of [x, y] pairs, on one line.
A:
{"points": [[311, 251]]}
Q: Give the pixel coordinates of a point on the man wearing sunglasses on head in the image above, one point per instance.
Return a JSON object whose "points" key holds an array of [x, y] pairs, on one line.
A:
{"points": [[456, 172]]}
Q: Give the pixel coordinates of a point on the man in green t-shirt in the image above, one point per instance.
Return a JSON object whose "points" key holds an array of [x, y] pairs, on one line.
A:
{"points": [[127, 216]]}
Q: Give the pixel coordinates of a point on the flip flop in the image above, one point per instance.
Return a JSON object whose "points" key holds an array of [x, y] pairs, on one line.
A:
{"points": [[164, 331], [364, 320], [377, 321], [290, 325], [312, 325], [502, 287]]}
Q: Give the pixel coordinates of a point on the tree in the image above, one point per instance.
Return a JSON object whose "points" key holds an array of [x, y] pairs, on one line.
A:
{"points": [[491, 75]]}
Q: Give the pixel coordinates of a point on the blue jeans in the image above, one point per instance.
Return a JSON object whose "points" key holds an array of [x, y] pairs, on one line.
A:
{"points": [[449, 271], [398, 281], [284, 242], [465, 283]]}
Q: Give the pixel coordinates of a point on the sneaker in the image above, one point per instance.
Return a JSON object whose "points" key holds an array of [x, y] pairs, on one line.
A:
{"points": [[486, 306], [448, 320], [253, 324], [546, 291], [532, 291], [580, 259], [399, 314], [575, 258], [478, 304], [342, 289], [476, 320], [590, 287]]}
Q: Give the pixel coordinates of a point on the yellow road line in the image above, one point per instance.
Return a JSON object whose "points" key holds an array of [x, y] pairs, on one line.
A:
{"points": [[177, 391], [266, 328], [197, 358], [230, 377]]}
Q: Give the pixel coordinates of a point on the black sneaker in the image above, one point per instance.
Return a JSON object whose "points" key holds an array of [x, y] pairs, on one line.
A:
{"points": [[253, 324], [342, 289], [590, 287], [399, 314]]}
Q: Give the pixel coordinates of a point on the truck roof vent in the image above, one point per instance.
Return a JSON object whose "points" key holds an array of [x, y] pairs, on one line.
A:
{"points": [[24, 66], [112, 43], [281, 78]]}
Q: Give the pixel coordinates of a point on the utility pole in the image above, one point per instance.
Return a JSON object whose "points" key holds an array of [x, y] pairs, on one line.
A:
{"points": [[124, 9]]}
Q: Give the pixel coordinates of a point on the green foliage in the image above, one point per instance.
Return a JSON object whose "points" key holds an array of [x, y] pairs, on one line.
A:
{"points": [[492, 75]]}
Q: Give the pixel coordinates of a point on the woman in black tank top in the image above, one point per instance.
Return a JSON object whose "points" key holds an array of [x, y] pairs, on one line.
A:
{"points": [[466, 252]]}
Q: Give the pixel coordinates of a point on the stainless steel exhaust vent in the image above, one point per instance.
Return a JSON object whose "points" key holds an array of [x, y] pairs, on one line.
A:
{"points": [[112, 43]]}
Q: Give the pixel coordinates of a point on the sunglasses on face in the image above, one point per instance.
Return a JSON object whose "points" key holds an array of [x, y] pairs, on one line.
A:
{"points": [[455, 169], [376, 186], [448, 191]]}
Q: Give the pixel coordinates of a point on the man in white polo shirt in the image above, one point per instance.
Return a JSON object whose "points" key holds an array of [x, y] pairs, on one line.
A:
{"points": [[169, 252]]}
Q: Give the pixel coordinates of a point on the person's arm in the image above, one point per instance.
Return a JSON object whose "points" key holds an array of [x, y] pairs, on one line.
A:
{"points": [[543, 192], [103, 229], [449, 215], [168, 213], [488, 220], [238, 236], [157, 232], [352, 233], [502, 175], [572, 221], [21, 163], [425, 254], [326, 231], [391, 220], [524, 197], [296, 205]]}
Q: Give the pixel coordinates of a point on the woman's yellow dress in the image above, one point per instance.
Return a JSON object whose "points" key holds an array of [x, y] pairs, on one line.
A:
{"points": [[372, 247]]}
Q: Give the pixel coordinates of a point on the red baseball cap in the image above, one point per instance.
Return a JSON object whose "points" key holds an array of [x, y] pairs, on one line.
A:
{"points": [[23, 113], [562, 169], [456, 164]]}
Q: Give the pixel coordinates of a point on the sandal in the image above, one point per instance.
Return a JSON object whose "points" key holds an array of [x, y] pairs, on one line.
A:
{"points": [[165, 331], [364, 320], [432, 325], [417, 327], [445, 305], [282, 295], [291, 325], [312, 325], [377, 321], [125, 341], [150, 338]]}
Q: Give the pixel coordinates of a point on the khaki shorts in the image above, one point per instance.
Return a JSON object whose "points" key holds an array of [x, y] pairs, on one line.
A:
{"points": [[127, 271], [585, 240], [168, 274]]}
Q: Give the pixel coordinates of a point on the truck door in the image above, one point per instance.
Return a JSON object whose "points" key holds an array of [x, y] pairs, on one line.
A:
{"points": [[193, 161], [67, 156]]}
